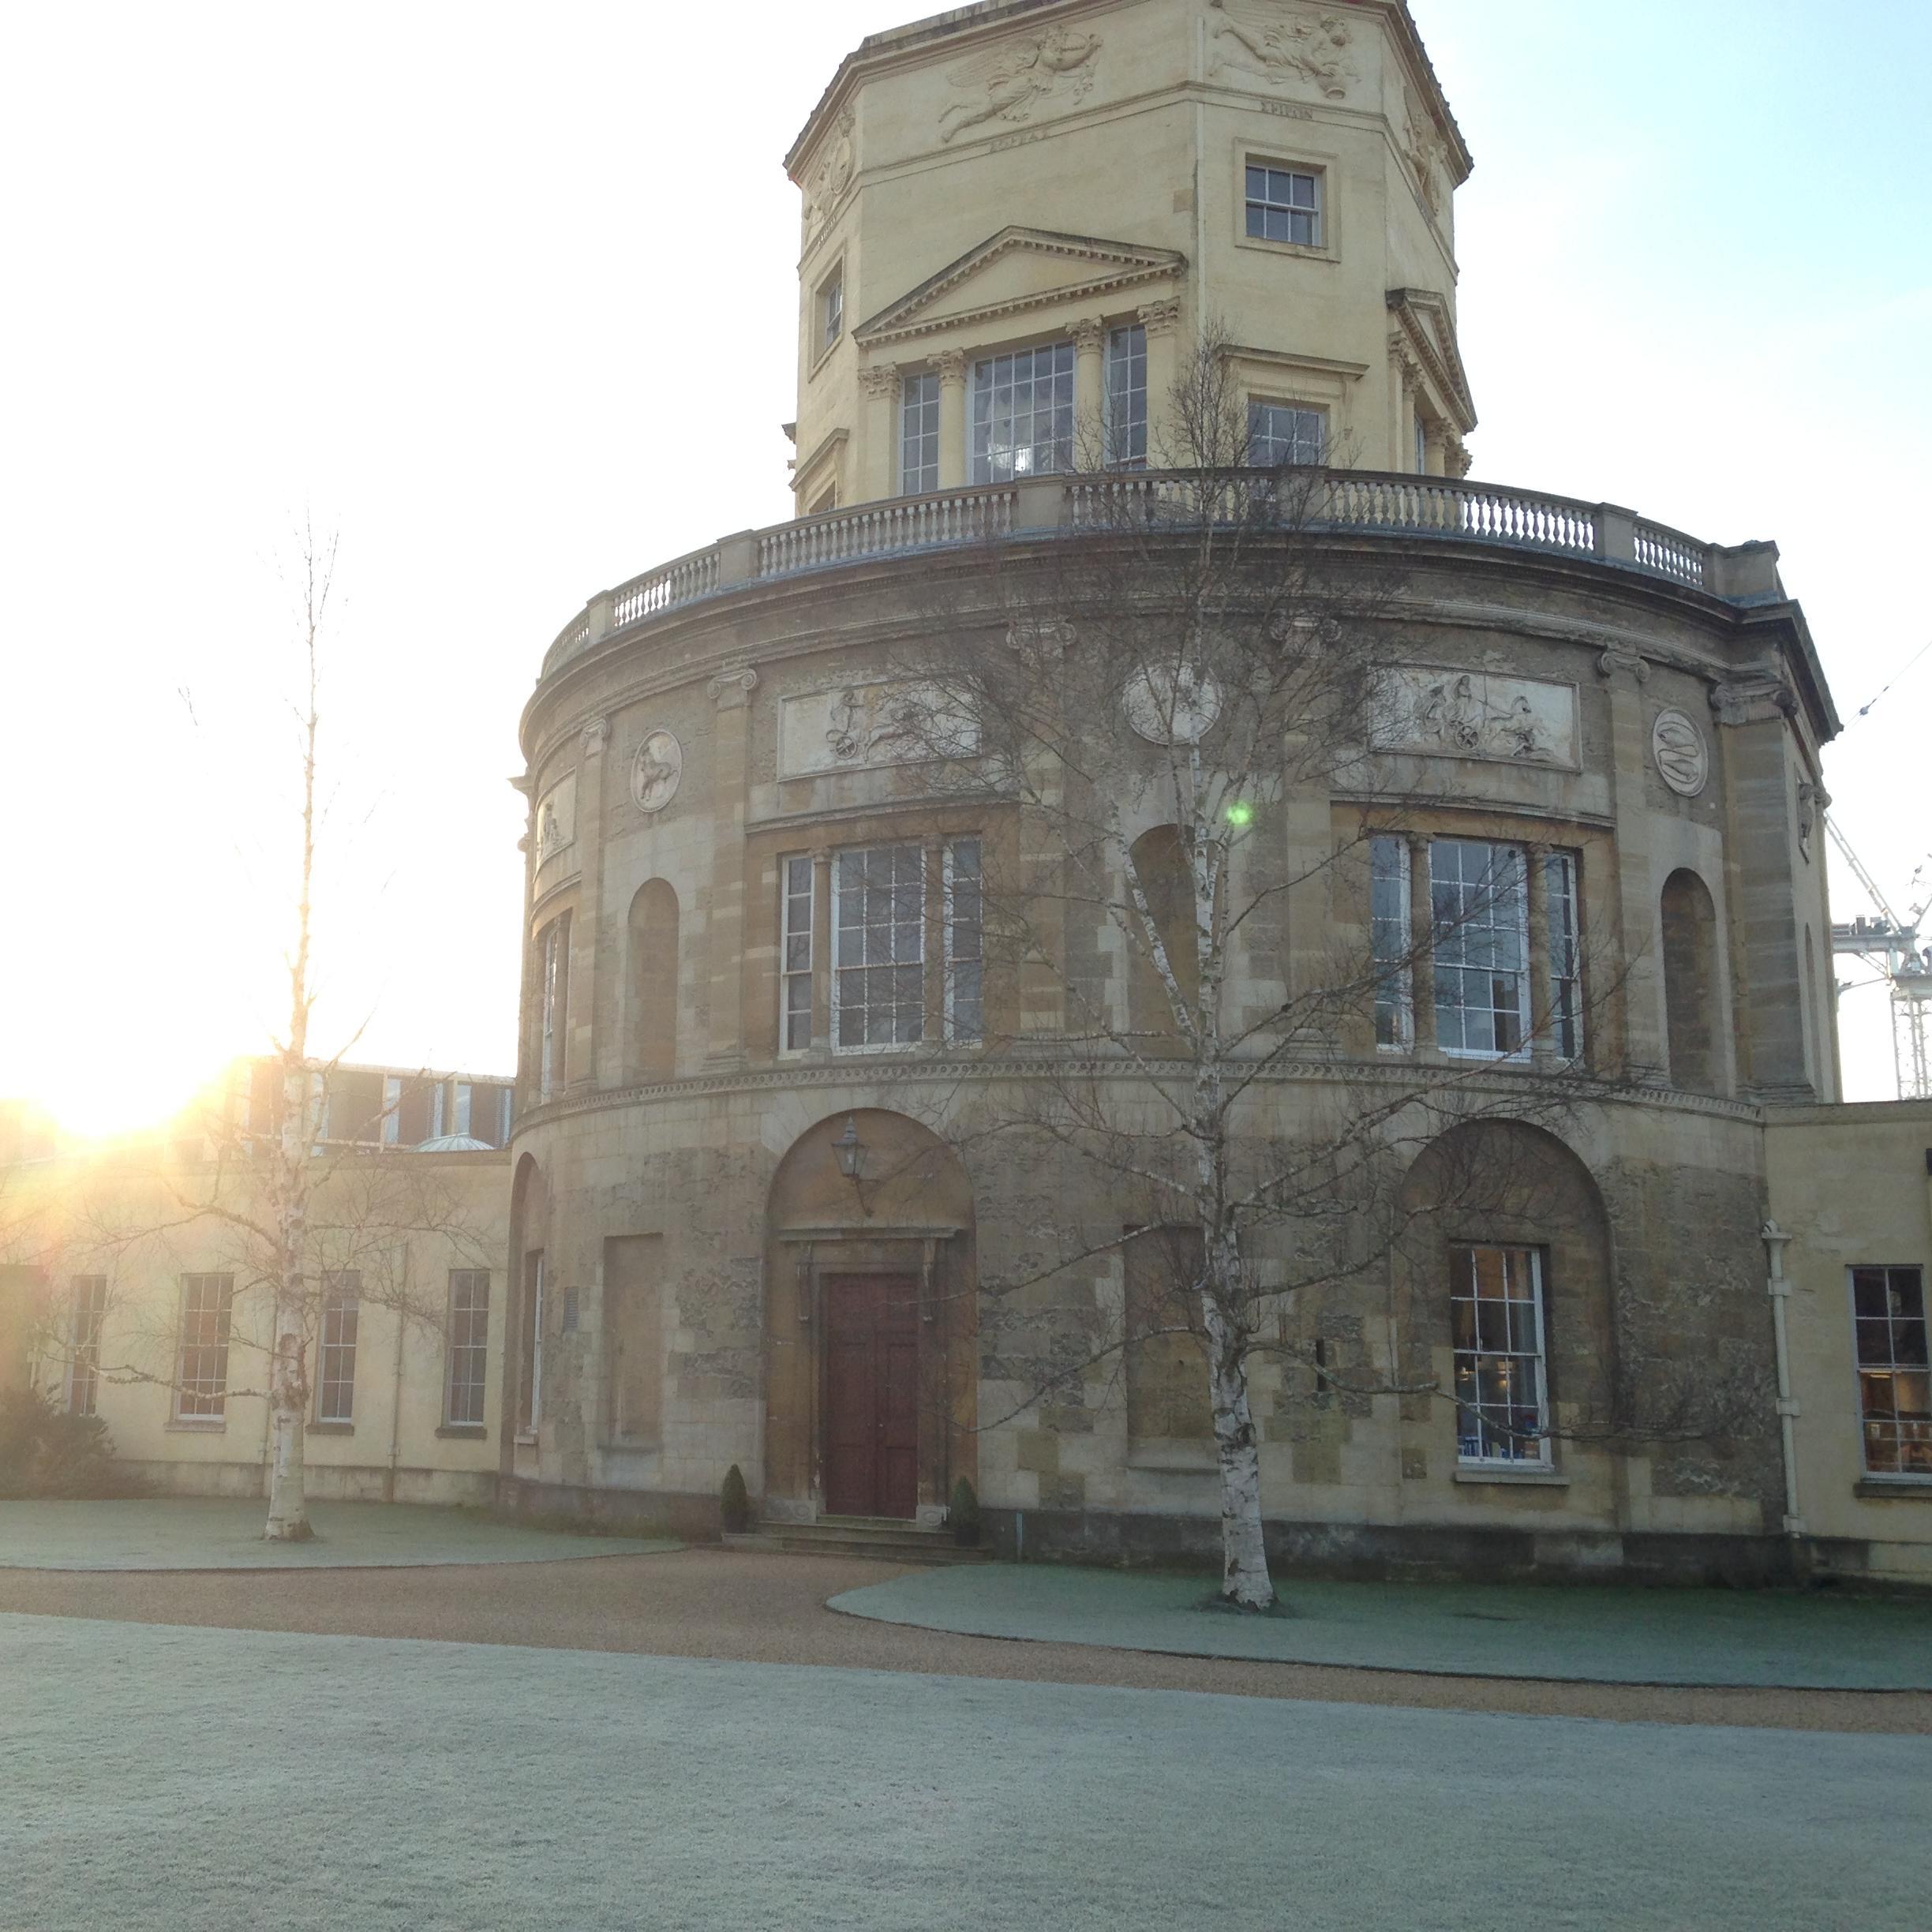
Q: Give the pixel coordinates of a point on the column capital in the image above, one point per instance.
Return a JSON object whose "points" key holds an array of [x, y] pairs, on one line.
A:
{"points": [[595, 735], [1088, 333], [951, 364], [1160, 318], [1614, 658], [731, 691], [881, 381], [1752, 700]]}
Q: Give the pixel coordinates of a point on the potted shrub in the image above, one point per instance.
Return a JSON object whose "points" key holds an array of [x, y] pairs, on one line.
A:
{"points": [[965, 1515], [734, 1504]]}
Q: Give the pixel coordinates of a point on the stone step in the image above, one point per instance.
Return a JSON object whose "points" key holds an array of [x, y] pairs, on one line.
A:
{"points": [[884, 1539]]}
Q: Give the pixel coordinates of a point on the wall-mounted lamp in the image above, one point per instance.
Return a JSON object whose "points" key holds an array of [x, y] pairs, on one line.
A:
{"points": [[850, 1150]]}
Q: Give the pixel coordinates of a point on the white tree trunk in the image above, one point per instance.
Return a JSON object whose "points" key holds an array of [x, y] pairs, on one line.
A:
{"points": [[288, 1498], [1245, 1578], [288, 1379]]}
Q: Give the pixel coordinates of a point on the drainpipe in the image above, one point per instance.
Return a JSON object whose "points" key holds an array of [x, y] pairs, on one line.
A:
{"points": [[395, 1390], [1778, 1287]]}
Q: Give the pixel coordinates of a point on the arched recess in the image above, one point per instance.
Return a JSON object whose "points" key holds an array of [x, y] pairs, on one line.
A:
{"points": [[1159, 862], [1688, 921], [523, 1329], [871, 1317], [1489, 1206], [650, 1033]]}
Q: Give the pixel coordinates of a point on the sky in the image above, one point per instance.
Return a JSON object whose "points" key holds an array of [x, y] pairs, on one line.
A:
{"points": [[504, 298]]}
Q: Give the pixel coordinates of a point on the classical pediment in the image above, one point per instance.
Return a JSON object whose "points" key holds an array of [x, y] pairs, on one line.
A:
{"points": [[1014, 270], [1423, 328]]}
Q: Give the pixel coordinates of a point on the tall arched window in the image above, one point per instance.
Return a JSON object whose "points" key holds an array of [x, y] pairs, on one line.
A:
{"points": [[1160, 864], [651, 1034], [1689, 921]]}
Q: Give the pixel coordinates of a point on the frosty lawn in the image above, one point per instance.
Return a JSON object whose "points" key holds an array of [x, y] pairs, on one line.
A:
{"points": [[1786, 1638], [204, 1532], [168, 1776]]}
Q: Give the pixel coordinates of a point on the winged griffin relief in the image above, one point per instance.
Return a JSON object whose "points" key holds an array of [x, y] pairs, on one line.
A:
{"points": [[1007, 82], [1257, 38]]}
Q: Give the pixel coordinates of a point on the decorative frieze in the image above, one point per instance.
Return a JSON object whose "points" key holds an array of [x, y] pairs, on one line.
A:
{"points": [[855, 727], [1475, 714], [1007, 82], [1250, 38]]}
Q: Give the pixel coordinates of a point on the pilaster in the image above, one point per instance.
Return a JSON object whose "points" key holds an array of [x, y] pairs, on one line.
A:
{"points": [[877, 470], [724, 923], [580, 1067], [953, 445], [1162, 320], [1624, 674], [1089, 336]]}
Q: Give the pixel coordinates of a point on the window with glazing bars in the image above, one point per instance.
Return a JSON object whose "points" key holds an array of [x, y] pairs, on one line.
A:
{"points": [[1391, 942], [88, 1313], [1495, 1311], [1284, 204], [918, 435], [1127, 398], [879, 979], [832, 309], [469, 1346], [1023, 413], [795, 1018], [201, 1362], [1284, 433], [1895, 1382], [335, 1357], [1479, 916], [553, 991], [1562, 918], [965, 942]]}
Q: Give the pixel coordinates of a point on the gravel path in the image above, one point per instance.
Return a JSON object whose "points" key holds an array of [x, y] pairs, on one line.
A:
{"points": [[762, 1609]]}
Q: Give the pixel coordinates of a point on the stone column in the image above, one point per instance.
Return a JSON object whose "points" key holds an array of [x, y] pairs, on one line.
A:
{"points": [[954, 446], [1089, 336], [580, 1068], [1766, 959], [1644, 1059], [1162, 320], [875, 473], [725, 923], [526, 1000]]}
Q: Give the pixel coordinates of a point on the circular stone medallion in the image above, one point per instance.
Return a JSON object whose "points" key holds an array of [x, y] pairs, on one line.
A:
{"points": [[1172, 707], [656, 770], [1682, 757]]}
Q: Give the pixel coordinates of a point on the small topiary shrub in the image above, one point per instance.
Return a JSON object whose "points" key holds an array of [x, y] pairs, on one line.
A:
{"points": [[734, 1503], [44, 1451], [965, 1515]]}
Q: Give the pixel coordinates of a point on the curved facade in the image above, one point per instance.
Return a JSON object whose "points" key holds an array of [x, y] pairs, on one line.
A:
{"points": [[745, 1229]]}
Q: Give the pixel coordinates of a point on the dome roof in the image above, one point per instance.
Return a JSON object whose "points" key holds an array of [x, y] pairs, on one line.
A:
{"points": [[453, 1144]]}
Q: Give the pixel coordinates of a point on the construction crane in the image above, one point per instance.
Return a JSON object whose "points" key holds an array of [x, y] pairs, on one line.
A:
{"points": [[1893, 947]]}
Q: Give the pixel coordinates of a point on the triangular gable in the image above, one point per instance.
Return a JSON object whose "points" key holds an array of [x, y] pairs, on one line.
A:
{"points": [[1014, 270], [1424, 319]]}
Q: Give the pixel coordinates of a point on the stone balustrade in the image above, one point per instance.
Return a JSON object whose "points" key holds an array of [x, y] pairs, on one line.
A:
{"points": [[1362, 501]]}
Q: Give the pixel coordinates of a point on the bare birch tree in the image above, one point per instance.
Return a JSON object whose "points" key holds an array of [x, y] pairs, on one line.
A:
{"points": [[1169, 705]]}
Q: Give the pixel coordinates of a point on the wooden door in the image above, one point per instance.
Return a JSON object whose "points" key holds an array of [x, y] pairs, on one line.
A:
{"points": [[871, 1407]]}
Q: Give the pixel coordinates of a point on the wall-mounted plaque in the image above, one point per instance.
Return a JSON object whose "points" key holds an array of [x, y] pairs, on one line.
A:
{"points": [[655, 771], [1475, 714]]}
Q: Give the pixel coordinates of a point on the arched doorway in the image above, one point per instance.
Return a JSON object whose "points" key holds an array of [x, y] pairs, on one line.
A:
{"points": [[870, 1322]]}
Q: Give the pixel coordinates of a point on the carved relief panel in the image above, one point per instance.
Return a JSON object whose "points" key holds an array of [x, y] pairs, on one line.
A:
{"points": [[1476, 714], [859, 726]]}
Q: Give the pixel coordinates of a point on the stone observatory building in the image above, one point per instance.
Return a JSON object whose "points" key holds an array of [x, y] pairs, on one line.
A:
{"points": [[845, 1149]]}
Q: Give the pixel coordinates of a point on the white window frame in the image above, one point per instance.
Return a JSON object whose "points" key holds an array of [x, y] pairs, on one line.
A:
{"points": [[990, 462], [336, 1342], [467, 1349], [1391, 942], [1563, 934], [203, 1398], [841, 860], [555, 967], [1301, 413], [795, 944], [918, 394], [828, 312], [1315, 210], [1460, 929], [974, 1033], [1914, 1430], [87, 1317], [1532, 1452], [1126, 391]]}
